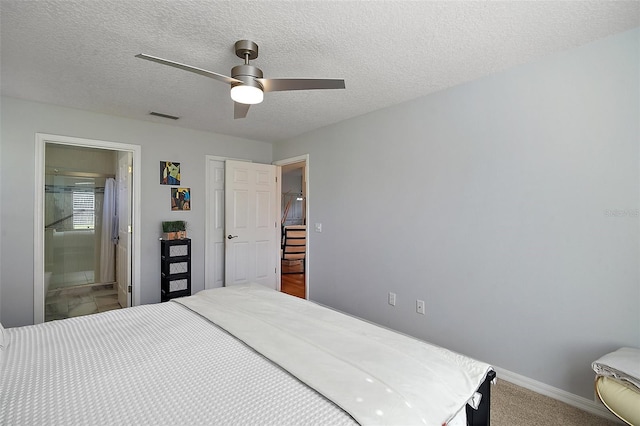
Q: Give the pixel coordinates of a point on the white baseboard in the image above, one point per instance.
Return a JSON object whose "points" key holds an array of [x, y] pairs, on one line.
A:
{"points": [[593, 407]]}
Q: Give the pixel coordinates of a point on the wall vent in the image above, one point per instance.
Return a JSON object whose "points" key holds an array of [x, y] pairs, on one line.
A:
{"points": [[159, 114]]}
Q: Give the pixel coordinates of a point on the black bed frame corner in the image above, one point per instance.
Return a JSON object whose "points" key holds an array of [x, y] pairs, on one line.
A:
{"points": [[482, 416]]}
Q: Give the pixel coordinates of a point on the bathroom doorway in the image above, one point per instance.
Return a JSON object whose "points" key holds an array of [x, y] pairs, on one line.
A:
{"points": [[80, 231], [86, 205]]}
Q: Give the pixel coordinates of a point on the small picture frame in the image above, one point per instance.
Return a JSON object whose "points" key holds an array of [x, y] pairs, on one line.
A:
{"points": [[169, 173], [180, 199]]}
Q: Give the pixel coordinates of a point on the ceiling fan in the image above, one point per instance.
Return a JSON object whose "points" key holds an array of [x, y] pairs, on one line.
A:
{"points": [[247, 82]]}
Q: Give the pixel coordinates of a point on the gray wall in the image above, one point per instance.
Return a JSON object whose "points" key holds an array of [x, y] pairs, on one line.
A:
{"points": [[20, 122], [509, 204]]}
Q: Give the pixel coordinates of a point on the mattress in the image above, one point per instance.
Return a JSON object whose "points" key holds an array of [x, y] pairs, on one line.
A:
{"points": [[239, 355]]}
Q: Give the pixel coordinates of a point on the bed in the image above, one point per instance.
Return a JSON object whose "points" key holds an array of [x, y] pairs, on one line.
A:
{"points": [[234, 355]]}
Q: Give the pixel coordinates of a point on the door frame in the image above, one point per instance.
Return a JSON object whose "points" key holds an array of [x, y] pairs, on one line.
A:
{"points": [[38, 229], [304, 158]]}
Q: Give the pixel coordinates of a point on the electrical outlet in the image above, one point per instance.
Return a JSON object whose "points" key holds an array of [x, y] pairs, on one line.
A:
{"points": [[420, 307], [392, 299]]}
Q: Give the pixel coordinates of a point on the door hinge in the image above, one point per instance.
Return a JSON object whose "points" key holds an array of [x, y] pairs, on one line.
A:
{"points": [[129, 229], [129, 289], [130, 169], [276, 179]]}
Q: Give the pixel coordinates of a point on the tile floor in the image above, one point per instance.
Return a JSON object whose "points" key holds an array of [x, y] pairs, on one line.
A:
{"points": [[66, 279], [81, 300]]}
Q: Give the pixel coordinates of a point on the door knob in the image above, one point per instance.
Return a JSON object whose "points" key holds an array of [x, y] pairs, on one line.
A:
{"points": [[231, 236]]}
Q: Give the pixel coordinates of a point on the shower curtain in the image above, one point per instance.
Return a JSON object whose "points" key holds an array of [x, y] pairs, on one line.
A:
{"points": [[109, 237]]}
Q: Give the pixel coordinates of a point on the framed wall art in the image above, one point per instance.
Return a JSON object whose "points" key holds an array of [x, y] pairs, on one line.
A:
{"points": [[180, 198], [169, 173]]}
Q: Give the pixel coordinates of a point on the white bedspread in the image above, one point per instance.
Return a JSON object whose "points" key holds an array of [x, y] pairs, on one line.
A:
{"points": [[376, 375], [148, 365]]}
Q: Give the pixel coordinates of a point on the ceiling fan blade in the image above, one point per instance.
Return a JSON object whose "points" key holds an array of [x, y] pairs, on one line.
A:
{"points": [[281, 84], [210, 74], [240, 110]]}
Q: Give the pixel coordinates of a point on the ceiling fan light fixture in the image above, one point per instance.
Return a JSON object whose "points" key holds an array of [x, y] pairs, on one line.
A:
{"points": [[247, 94], [247, 81]]}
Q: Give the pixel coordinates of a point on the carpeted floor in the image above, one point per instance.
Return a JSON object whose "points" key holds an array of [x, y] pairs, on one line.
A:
{"points": [[513, 405]]}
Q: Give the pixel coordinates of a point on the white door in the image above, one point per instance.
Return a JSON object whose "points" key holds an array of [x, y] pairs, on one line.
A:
{"points": [[123, 259], [252, 223], [214, 225]]}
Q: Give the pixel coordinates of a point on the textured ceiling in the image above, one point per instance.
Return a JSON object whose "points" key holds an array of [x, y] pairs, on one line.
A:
{"points": [[80, 54]]}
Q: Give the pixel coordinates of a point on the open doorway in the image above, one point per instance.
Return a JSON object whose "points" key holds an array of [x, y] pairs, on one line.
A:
{"points": [[86, 253], [216, 238], [294, 246]]}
